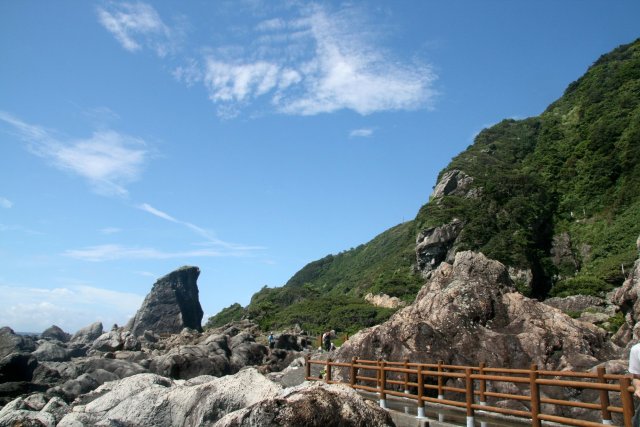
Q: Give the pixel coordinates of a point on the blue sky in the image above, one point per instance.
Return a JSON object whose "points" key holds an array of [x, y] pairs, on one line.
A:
{"points": [[247, 137]]}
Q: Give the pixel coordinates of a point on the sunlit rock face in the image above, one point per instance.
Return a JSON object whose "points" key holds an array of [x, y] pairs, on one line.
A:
{"points": [[469, 312]]}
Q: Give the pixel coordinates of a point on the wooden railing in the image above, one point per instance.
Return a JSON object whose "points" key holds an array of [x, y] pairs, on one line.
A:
{"points": [[476, 387]]}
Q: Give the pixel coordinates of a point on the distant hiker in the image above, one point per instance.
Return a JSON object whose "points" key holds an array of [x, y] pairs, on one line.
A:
{"points": [[272, 341], [634, 369], [326, 340]]}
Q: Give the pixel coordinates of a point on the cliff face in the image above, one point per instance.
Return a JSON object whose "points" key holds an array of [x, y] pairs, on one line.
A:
{"points": [[171, 306]]}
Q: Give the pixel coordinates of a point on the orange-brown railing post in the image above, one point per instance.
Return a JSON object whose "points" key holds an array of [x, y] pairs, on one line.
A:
{"points": [[627, 400], [328, 370], [534, 390], [483, 385], [406, 375], [440, 380], [378, 372], [383, 385], [420, 393], [604, 397], [354, 371], [307, 367], [469, 393]]}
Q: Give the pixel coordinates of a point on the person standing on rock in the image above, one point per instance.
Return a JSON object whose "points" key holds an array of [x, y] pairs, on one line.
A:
{"points": [[326, 340], [272, 341], [634, 369]]}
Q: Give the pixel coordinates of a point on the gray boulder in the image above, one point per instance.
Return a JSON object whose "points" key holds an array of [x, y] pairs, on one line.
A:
{"points": [[17, 367], [10, 342], [190, 361], [88, 334], [52, 351], [171, 306], [55, 333]]}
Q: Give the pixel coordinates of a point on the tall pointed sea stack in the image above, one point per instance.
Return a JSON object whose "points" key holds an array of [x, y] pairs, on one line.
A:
{"points": [[171, 305]]}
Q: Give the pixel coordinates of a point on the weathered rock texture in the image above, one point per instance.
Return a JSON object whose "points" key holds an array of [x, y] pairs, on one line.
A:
{"points": [[453, 182], [626, 296], [312, 405], [152, 400], [469, 313], [171, 306], [436, 244], [384, 300]]}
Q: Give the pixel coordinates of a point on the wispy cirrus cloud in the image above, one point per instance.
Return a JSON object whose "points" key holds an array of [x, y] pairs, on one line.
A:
{"points": [[210, 238], [107, 160], [113, 252], [5, 203], [319, 61], [138, 25], [361, 133]]}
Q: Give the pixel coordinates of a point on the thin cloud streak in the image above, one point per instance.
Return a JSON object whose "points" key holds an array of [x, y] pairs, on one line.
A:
{"points": [[108, 160], [211, 240], [361, 133], [102, 253]]}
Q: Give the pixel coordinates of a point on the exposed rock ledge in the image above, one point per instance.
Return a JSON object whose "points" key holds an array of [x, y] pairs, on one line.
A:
{"points": [[384, 300]]}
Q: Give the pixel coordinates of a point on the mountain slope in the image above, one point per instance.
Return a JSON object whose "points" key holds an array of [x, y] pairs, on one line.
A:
{"points": [[555, 197]]}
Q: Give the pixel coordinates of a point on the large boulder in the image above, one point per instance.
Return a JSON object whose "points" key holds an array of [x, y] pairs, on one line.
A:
{"points": [[10, 342], [469, 313], [55, 333], [171, 306], [17, 367], [149, 399], [52, 351], [88, 334], [311, 404]]}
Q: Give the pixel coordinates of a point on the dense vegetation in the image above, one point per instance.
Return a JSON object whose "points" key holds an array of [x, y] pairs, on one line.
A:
{"points": [[328, 293], [559, 195], [573, 171]]}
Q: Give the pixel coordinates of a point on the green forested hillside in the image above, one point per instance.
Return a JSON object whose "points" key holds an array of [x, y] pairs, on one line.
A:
{"points": [[328, 293], [569, 176], [572, 171]]}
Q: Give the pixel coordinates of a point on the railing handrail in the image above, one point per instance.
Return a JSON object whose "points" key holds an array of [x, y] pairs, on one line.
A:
{"points": [[482, 375]]}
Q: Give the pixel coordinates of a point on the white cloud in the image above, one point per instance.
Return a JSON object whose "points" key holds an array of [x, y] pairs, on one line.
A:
{"points": [[361, 133], [69, 307], [156, 212], [108, 160], [211, 240], [136, 25], [101, 253], [319, 63], [5, 203], [110, 230]]}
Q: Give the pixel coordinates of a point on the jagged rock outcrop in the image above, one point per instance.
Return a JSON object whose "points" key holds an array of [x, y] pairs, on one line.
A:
{"points": [[626, 296], [468, 312], [315, 404], [171, 306], [384, 300], [436, 244], [453, 182], [149, 399], [52, 351]]}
